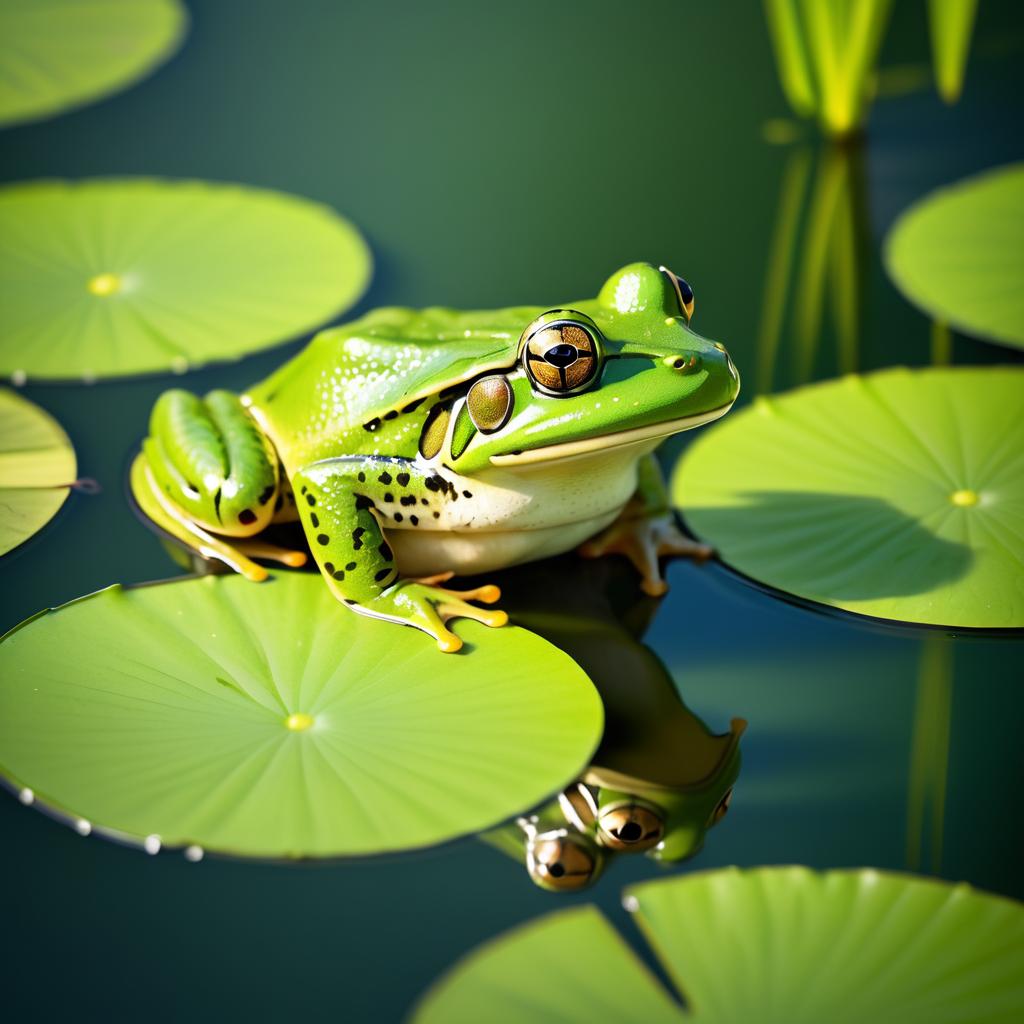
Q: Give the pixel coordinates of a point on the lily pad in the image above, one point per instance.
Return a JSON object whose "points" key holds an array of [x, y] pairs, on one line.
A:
{"points": [[59, 54], [37, 467], [958, 254], [123, 276], [767, 945], [267, 720], [898, 494]]}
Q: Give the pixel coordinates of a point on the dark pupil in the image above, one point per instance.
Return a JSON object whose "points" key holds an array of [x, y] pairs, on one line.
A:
{"points": [[630, 832], [561, 355], [685, 290], [556, 870]]}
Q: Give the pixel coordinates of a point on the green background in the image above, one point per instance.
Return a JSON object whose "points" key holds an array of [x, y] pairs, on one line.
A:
{"points": [[496, 155]]}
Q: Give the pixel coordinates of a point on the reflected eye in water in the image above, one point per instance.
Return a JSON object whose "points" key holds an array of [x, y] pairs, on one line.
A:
{"points": [[721, 810], [633, 827], [562, 862]]}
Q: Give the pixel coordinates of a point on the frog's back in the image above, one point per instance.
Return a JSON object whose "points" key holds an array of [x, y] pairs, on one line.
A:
{"points": [[365, 386]]}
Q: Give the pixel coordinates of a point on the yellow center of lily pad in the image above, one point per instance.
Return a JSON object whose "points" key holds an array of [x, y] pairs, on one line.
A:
{"points": [[964, 498], [298, 721], [104, 284]]}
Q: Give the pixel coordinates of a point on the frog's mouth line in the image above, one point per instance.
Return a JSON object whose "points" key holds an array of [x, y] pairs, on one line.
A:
{"points": [[606, 442]]}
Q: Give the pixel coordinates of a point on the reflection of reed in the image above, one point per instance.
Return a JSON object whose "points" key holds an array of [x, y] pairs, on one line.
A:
{"points": [[929, 752], [825, 224], [950, 24], [942, 344]]}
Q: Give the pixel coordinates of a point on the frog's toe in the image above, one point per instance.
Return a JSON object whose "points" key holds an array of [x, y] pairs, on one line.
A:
{"points": [[271, 552], [461, 610], [431, 608], [644, 540], [488, 593], [454, 604]]}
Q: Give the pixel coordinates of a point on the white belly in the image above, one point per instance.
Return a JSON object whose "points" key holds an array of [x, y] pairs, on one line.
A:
{"points": [[465, 552], [520, 514]]}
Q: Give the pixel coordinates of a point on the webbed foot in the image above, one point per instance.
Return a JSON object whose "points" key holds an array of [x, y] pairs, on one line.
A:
{"points": [[643, 540], [430, 608]]}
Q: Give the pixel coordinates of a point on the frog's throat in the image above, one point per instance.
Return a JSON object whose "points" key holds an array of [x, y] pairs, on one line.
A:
{"points": [[609, 778], [570, 449]]}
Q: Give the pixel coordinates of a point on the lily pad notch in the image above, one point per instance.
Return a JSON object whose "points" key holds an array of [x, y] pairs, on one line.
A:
{"points": [[37, 469], [782, 945]]}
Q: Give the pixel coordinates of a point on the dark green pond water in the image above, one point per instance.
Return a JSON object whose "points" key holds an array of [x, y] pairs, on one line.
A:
{"points": [[509, 155]]}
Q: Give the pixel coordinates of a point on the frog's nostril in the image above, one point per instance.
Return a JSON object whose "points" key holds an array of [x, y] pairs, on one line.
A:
{"points": [[686, 363]]}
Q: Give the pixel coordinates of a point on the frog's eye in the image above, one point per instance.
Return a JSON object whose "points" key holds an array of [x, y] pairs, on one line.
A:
{"points": [[722, 809], [684, 293], [562, 863], [561, 351], [630, 827], [490, 404]]}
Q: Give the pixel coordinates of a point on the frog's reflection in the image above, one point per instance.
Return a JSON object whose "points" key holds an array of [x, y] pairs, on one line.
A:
{"points": [[660, 778]]}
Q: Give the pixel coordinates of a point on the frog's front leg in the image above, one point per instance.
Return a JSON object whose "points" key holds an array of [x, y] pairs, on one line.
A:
{"points": [[646, 530], [338, 501]]}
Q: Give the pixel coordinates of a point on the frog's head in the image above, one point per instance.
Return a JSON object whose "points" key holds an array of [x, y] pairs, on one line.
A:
{"points": [[622, 369], [669, 822]]}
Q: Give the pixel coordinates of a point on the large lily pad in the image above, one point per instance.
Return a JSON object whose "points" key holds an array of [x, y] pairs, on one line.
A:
{"points": [[58, 54], [113, 277], [959, 255], [37, 465], [897, 494], [268, 720], [784, 945]]}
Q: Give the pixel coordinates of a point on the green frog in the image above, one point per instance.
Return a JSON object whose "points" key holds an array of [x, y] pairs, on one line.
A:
{"points": [[413, 445]]}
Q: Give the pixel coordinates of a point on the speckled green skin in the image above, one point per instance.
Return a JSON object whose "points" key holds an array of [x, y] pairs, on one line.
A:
{"points": [[346, 419]]}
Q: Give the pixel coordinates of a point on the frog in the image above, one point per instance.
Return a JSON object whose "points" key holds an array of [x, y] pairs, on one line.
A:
{"points": [[415, 445]]}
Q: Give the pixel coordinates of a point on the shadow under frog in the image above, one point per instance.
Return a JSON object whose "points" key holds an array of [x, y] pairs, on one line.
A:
{"points": [[660, 778]]}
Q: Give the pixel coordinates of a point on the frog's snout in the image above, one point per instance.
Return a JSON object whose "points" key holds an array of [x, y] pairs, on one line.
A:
{"points": [[723, 381]]}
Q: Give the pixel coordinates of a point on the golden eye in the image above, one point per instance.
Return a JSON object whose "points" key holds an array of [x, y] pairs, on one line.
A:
{"points": [[722, 809], [561, 353], [630, 827], [490, 404], [559, 863]]}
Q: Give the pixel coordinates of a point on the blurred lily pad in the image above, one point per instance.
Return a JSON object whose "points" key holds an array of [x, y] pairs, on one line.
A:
{"points": [[124, 276], [58, 54], [37, 466], [773, 945], [897, 494], [958, 254], [267, 720]]}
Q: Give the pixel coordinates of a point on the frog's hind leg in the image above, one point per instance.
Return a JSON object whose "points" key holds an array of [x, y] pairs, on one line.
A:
{"points": [[207, 473], [159, 509], [646, 531]]}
